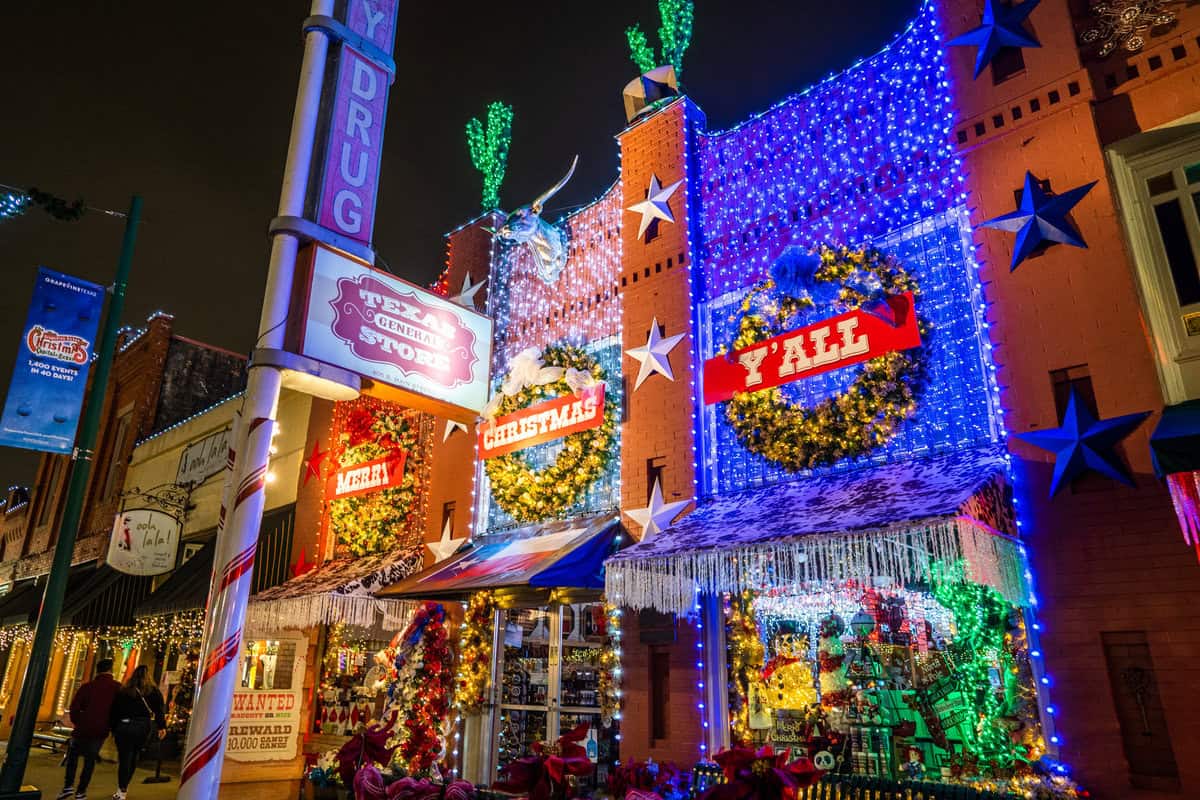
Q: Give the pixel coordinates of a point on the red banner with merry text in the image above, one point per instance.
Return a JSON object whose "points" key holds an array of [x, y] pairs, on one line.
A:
{"points": [[544, 422], [369, 476], [840, 341]]}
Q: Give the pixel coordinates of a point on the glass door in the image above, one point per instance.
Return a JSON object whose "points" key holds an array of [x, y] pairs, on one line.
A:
{"points": [[550, 683]]}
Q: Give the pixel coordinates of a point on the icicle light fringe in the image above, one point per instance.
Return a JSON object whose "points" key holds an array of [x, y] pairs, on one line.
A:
{"points": [[364, 611], [899, 556]]}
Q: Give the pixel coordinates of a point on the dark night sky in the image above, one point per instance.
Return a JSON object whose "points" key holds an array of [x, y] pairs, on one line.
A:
{"points": [[189, 104]]}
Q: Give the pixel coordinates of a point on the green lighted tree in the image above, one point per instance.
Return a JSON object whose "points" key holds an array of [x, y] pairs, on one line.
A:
{"points": [[488, 145], [674, 36]]}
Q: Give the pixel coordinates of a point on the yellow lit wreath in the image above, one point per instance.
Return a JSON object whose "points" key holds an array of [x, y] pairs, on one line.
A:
{"points": [[849, 423], [531, 495]]}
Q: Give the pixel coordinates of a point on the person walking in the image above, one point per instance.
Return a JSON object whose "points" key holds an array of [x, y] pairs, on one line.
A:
{"points": [[89, 712], [137, 713]]}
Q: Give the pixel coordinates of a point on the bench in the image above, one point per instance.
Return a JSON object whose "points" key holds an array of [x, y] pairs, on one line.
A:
{"points": [[53, 739]]}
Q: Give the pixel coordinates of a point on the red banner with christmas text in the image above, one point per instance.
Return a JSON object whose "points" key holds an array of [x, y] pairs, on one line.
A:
{"points": [[542, 423], [370, 476], [840, 341]]}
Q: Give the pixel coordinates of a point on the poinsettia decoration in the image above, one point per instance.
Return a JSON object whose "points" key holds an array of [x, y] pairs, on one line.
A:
{"points": [[364, 430], [543, 775], [761, 775]]}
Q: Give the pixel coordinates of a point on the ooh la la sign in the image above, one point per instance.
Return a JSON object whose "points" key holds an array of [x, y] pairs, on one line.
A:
{"points": [[370, 476], [840, 341], [144, 542], [543, 422], [435, 352]]}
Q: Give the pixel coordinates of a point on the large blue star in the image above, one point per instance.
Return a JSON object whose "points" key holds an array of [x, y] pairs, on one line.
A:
{"points": [[1001, 26], [1041, 219], [1082, 442]]}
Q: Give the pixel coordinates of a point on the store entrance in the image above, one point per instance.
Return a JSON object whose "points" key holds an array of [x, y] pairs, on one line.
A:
{"points": [[548, 669]]}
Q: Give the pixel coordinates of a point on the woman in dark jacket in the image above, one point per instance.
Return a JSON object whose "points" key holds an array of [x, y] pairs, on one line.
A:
{"points": [[137, 711]]}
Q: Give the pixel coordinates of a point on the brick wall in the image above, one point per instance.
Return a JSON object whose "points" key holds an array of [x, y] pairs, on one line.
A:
{"points": [[683, 740]]}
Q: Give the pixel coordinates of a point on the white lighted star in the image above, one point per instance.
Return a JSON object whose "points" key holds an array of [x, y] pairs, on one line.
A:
{"points": [[656, 516], [451, 427], [656, 205], [445, 548], [654, 355], [467, 296]]}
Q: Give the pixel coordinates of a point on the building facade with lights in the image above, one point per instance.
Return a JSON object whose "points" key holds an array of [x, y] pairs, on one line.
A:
{"points": [[832, 527]]}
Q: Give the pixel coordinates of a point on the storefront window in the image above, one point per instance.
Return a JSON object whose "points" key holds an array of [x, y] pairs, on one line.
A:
{"points": [[551, 683], [353, 680], [267, 664]]}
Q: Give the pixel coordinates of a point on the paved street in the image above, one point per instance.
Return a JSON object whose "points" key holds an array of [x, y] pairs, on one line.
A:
{"points": [[44, 772]]}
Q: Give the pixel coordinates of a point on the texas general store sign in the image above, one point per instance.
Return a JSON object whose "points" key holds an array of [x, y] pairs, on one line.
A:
{"points": [[840, 341], [434, 353]]}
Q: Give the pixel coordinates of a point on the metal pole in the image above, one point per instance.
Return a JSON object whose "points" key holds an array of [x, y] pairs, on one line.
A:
{"points": [[13, 771], [237, 540]]}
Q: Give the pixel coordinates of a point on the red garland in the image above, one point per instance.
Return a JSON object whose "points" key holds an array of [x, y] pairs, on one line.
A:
{"points": [[422, 744]]}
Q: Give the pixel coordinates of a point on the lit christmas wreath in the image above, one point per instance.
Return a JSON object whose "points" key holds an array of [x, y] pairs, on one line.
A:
{"points": [[529, 494], [869, 411]]}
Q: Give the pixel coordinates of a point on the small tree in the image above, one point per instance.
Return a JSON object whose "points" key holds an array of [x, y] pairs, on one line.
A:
{"points": [[488, 146], [674, 36]]}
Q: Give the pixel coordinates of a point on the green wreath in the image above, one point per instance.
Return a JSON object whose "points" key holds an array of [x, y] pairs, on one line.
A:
{"points": [[852, 422], [532, 495]]}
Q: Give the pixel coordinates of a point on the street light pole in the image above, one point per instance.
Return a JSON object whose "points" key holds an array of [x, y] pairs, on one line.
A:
{"points": [[13, 772]]}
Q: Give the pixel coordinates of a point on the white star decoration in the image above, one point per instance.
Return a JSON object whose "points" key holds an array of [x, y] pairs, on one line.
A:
{"points": [[445, 548], [654, 355], [656, 205], [451, 427], [467, 296], [656, 516]]}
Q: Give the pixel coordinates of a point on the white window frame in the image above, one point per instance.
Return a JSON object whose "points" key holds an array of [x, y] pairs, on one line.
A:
{"points": [[1132, 162]]}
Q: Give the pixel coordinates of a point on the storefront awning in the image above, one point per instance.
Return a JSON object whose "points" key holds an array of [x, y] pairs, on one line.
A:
{"points": [[185, 590], [1175, 443], [22, 604], [106, 599], [884, 525], [555, 554], [342, 590]]}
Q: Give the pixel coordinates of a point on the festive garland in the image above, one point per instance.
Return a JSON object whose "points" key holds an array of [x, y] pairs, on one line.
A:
{"points": [[849, 423], [475, 654], [610, 668], [531, 495], [746, 653], [421, 691], [373, 523]]}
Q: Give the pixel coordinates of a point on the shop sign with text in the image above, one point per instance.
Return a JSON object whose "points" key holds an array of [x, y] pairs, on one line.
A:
{"points": [[203, 459], [434, 351], [543, 422], [840, 341], [371, 476], [264, 725], [144, 541]]}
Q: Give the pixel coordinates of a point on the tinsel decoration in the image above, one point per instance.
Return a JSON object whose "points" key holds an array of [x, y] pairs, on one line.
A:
{"points": [[475, 654], [1124, 24], [850, 423], [421, 692], [488, 144], [532, 495], [610, 668], [674, 36], [746, 654], [364, 430]]}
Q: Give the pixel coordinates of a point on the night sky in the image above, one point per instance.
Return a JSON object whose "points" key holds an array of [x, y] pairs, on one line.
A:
{"points": [[189, 104]]}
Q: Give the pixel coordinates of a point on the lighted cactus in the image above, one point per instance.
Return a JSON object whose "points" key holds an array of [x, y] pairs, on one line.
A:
{"points": [[488, 145], [674, 36]]}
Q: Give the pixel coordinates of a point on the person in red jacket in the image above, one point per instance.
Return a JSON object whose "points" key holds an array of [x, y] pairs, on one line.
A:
{"points": [[90, 710]]}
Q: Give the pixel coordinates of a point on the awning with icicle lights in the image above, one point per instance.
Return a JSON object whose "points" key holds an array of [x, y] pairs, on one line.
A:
{"points": [[886, 526]]}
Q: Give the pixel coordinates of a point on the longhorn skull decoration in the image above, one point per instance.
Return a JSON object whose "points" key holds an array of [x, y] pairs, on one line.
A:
{"points": [[547, 242]]}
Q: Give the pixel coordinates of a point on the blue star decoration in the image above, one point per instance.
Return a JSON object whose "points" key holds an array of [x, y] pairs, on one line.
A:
{"points": [[1083, 442], [1041, 219], [1001, 26]]}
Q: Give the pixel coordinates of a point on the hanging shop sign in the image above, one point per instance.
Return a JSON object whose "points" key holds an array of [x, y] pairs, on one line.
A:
{"points": [[50, 375], [357, 113], [203, 459], [144, 542], [370, 476], [433, 353], [850, 338], [543, 422]]}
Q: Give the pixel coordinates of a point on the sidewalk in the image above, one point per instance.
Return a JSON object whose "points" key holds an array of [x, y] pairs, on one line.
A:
{"points": [[44, 772]]}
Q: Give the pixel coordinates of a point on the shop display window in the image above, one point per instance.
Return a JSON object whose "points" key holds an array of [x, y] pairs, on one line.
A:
{"points": [[550, 665], [352, 682], [267, 664]]}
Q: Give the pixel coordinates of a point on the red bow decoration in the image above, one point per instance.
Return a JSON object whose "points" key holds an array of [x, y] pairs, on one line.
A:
{"points": [[368, 747], [762, 775], [369, 784], [543, 775]]}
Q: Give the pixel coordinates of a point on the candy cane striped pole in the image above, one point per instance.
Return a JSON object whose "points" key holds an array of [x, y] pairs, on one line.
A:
{"points": [[244, 492]]}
